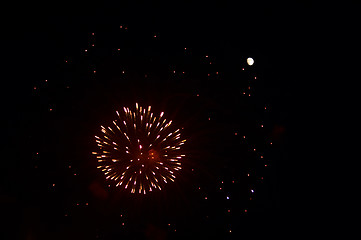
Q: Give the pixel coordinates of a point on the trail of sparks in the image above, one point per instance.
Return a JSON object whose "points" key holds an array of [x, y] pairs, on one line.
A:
{"points": [[140, 151]]}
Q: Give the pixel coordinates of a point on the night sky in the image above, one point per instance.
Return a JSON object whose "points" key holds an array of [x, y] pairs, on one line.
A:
{"points": [[70, 68]]}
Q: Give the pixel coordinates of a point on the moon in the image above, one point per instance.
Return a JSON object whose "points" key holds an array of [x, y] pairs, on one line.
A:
{"points": [[250, 61]]}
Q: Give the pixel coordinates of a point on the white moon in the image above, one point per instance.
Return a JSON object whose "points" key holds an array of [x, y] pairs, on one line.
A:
{"points": [[250, 61]]}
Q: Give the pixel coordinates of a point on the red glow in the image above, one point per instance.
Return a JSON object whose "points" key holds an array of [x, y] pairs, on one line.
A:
{"points": [[98, 191], [153, 155]]}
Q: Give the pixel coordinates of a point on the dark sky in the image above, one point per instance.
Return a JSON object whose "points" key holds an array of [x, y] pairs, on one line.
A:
{"points": [[36, 42]]}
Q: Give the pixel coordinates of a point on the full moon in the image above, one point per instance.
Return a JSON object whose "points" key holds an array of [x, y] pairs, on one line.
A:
{"points": [[250, 61]]}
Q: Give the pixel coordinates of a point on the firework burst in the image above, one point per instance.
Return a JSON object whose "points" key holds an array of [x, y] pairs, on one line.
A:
{"points": [[140, 151]]}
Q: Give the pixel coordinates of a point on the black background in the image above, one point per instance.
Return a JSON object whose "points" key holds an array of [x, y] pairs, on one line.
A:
{"points": [[36, 40]]}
